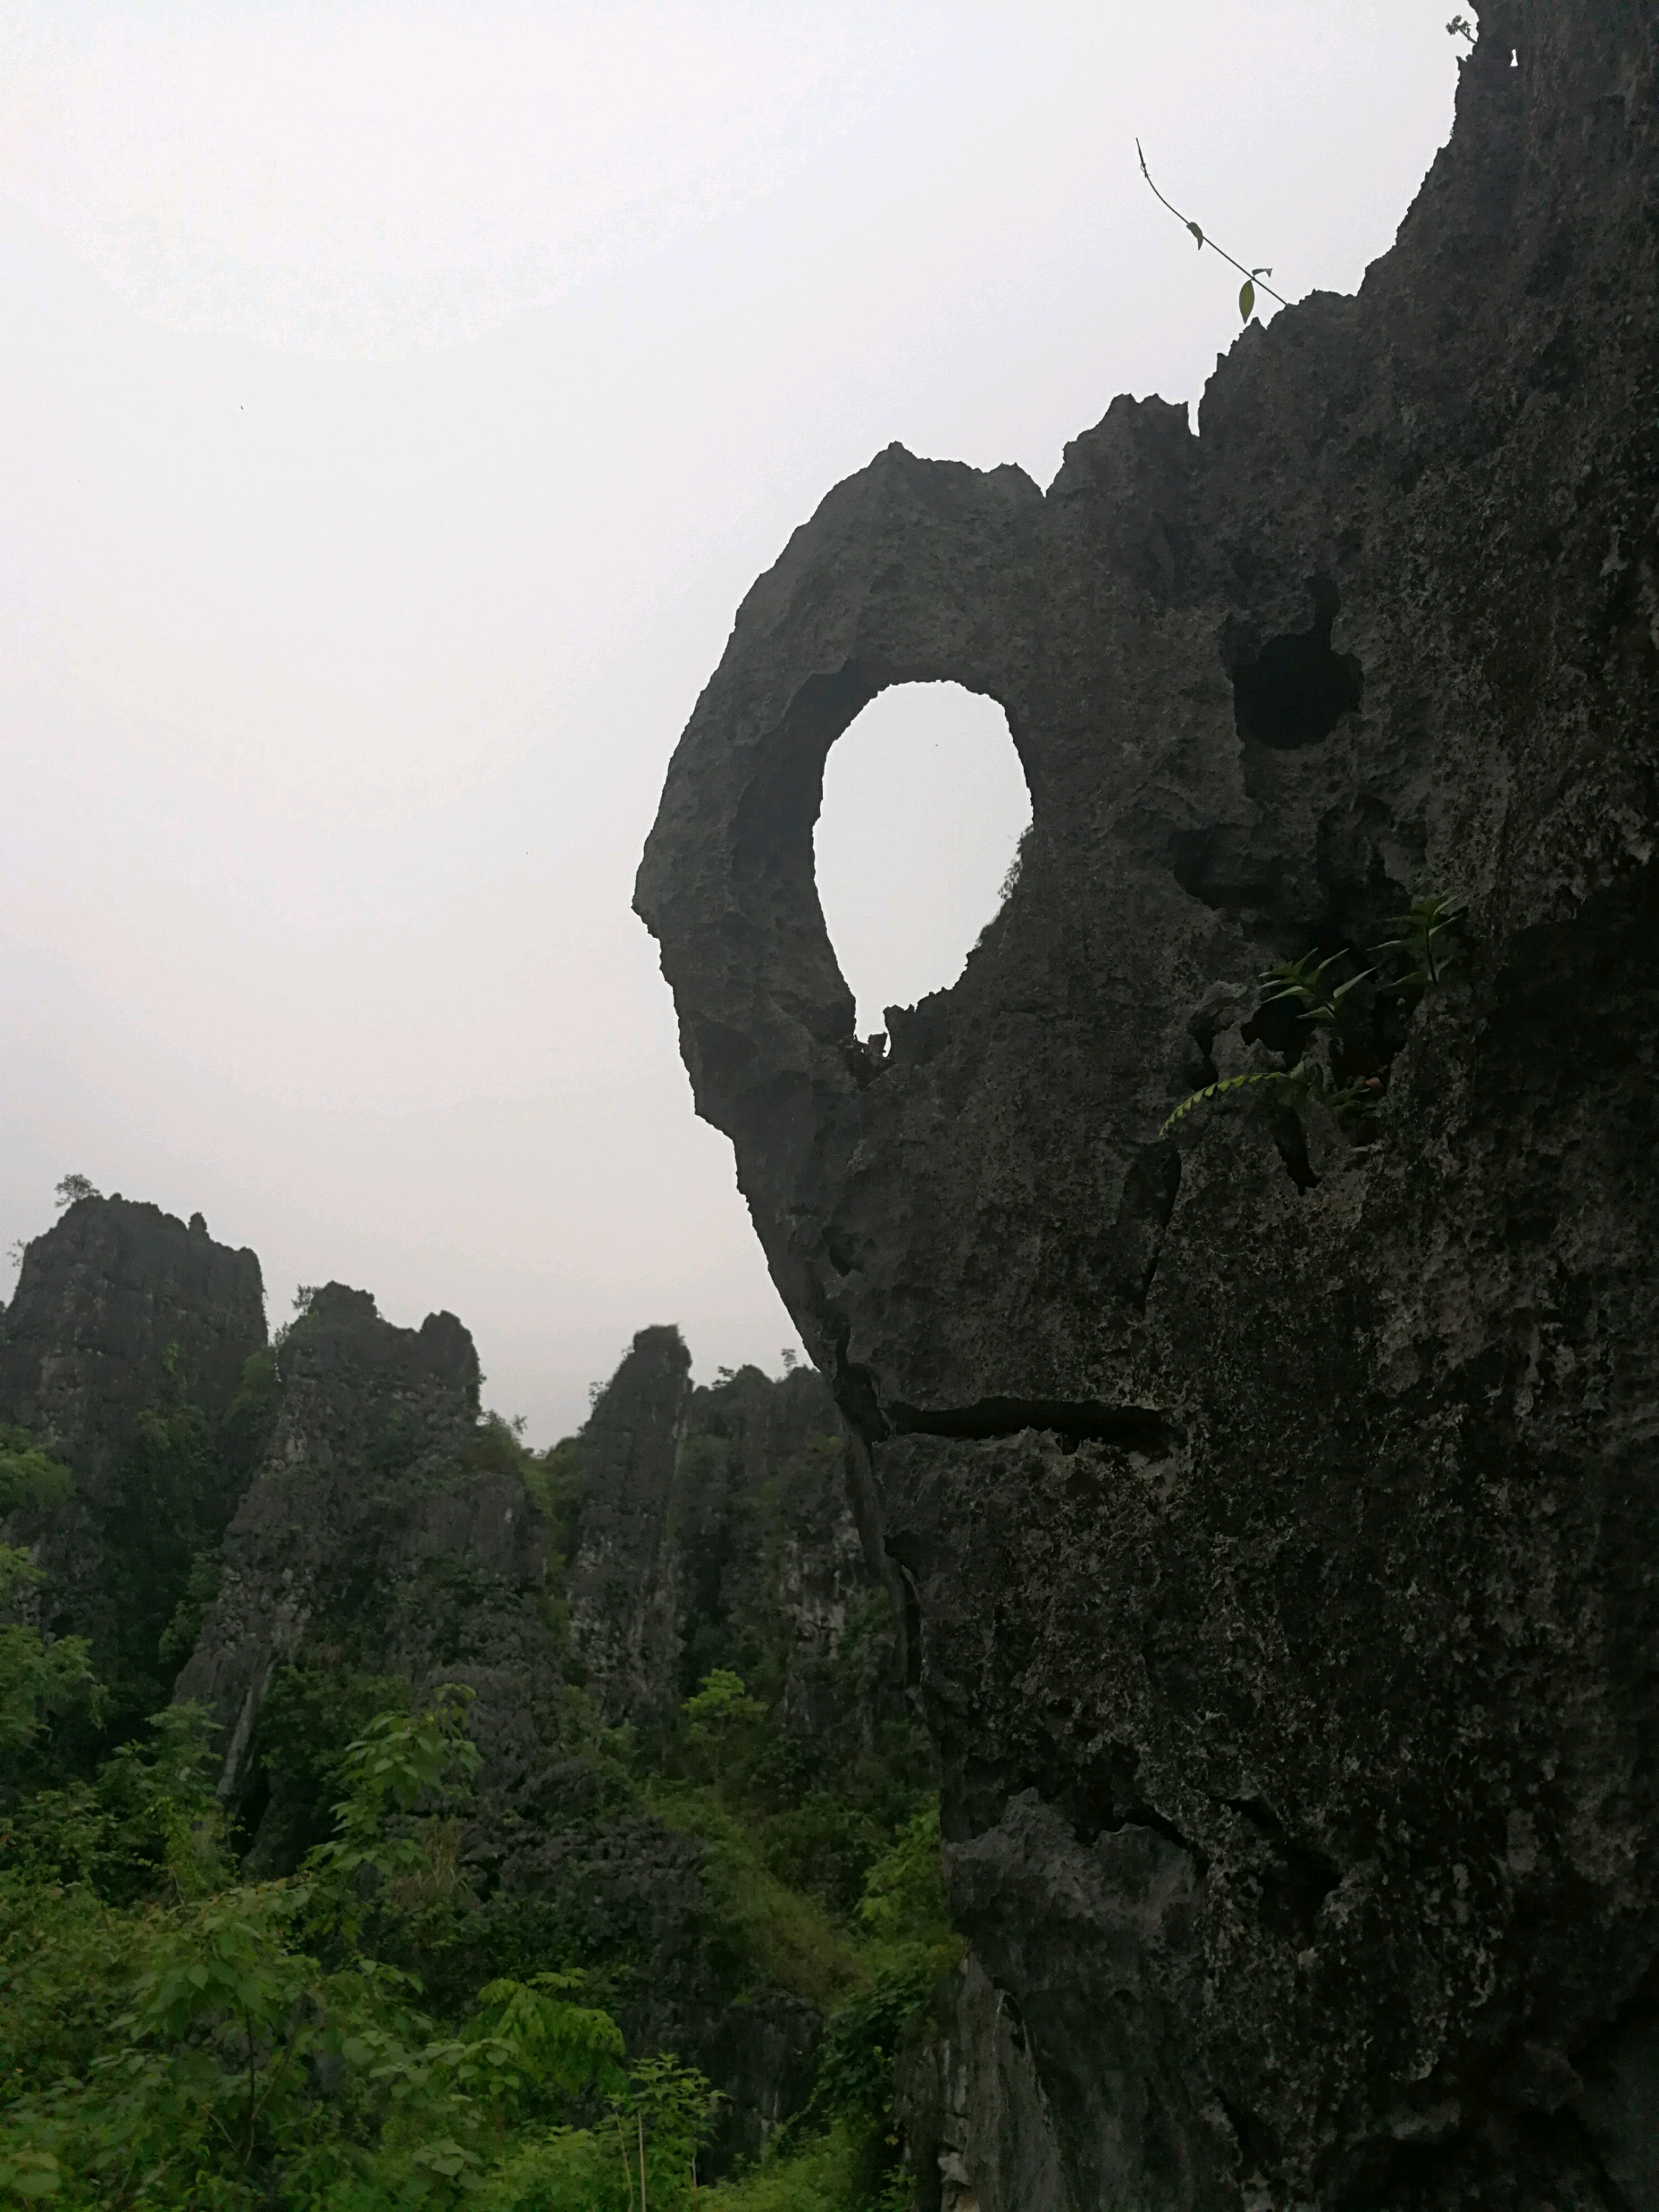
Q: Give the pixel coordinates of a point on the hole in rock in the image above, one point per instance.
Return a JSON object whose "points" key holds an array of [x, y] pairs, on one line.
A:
{"points": [[924, 806], [1296, 689]]}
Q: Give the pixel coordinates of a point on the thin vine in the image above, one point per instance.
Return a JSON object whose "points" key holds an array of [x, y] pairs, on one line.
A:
{"points": [[1252, 283]]}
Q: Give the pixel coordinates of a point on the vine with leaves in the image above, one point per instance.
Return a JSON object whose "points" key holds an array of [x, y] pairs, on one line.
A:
{"points": [[1252, 283]]}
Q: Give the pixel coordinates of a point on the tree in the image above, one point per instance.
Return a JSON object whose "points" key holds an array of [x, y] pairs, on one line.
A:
{"points": [[39, 1676], [73, 1188]]}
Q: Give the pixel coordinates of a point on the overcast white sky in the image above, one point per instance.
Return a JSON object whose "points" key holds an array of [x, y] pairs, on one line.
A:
{"points": [[395, 402]]}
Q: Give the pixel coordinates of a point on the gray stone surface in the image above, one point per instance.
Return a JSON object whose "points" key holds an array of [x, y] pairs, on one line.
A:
{"points": [[977, 2123], [370, 1521], [715, 1517], [1278, 1519]]}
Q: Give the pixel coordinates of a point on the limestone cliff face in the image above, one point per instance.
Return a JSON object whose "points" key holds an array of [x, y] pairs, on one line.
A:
{"points": [[123, 1348], [715, 1527], [372, 1526], [1278, 1515]]}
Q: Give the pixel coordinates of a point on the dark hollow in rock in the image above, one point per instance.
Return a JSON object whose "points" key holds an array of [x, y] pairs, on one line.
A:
{"points": [[1296, 690]]}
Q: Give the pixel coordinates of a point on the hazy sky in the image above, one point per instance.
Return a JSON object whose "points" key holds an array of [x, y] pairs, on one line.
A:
{"points": [[398, 399]]}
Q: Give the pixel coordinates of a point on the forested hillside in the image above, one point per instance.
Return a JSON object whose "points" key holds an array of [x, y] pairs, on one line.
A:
{"points": [[392, 1814]]}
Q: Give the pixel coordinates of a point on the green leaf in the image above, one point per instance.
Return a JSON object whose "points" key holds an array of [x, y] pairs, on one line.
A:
{"points": [[1215, 1090], [1246, 300], [31, 2173], [1196, 232]]}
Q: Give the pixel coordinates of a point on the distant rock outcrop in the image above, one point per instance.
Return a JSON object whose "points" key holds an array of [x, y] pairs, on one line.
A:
{"points": [[1279, 1513], [394, 1539], [372, 1526], [710, 1518], [123, 1350]]}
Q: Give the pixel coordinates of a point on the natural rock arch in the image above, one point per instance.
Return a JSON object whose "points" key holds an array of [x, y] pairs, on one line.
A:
{"points": [[1278, 1558]]}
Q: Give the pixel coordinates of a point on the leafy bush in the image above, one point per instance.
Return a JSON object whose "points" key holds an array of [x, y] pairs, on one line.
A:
{"points": [[40, 1677], [29, 1476], [234, 2044]]}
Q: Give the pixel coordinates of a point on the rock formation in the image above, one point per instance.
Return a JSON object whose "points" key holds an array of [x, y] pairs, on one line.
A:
{"points": [[393, 1537], [124, 1348], [372, 1526], [1278, 1513], [710, 1524]]}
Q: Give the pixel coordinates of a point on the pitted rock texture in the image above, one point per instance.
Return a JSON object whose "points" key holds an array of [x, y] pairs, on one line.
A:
{"points": [[1281, 1545], [715, 1526], [123, 1313], [366, 1510]]}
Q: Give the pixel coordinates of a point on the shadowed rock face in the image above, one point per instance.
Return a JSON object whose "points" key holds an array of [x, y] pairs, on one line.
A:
{"points": [[1280, 1537], [123, 1314], [365, 1488], [704, 1512]]}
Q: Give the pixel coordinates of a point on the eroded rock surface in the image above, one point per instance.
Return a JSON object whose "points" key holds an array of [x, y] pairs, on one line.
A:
{"points": [[123, 1351], [1278, 1519], [715, 1523]]}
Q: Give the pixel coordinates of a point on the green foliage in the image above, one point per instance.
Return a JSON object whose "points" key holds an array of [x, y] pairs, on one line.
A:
{"points": [[722, 1721], [257, 1388], [554, 1480], [779, 1935], [178, 1638], [28, 1475], [162, 1826], [170, 1505], [1270, 1075], [1424, 930], [400, 1759], [823, 2175], [40, 1677], [641, 2154], [903, 1900], [353, 2018], [232, 2045], [1306, 984], [855, 2071], [1325, 1010]]}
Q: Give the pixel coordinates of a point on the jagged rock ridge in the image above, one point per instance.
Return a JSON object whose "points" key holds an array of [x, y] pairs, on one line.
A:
{"points": [[356, 1532], [1278, 1516]]}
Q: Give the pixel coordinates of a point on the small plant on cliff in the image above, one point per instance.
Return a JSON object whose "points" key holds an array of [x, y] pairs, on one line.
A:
{"points": [[72, 1189], [1324, 1008], [1307, 1084], [1252, 283], [1426, 938]]}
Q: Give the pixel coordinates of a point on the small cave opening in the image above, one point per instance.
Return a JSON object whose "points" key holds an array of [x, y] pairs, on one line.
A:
{"points": [[1296, 688]]}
